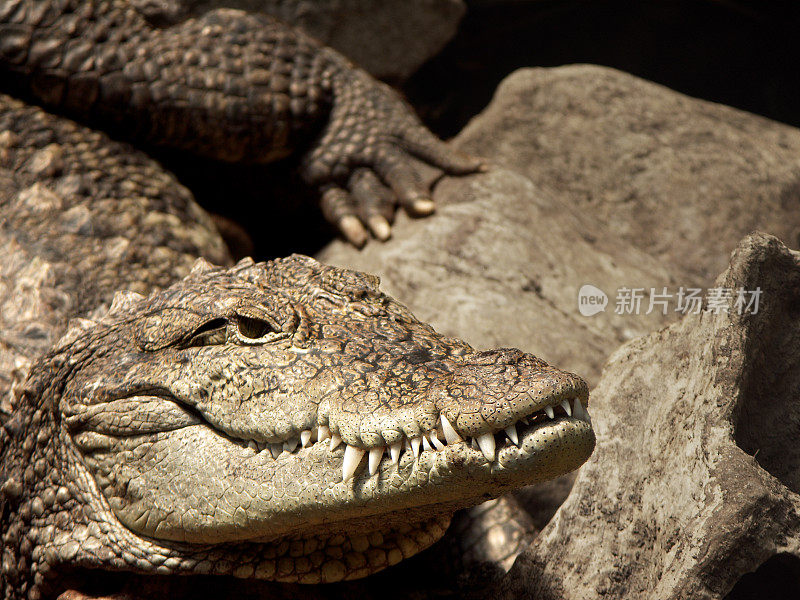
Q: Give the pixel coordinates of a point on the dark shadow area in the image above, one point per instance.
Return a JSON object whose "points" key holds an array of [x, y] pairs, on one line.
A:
{"points": [[541, 501], [777, 579], [768, 422], [431, 575], [743, 54], [275, 208]]}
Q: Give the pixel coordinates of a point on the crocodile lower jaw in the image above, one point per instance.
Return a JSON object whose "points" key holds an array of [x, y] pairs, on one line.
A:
{"points": [[275, 504], [435, 440]]}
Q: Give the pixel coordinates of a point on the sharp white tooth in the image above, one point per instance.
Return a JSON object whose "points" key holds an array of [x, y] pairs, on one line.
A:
{"points": [[450, 434], [415, 441], [486, 442], [511, 432], [305, 437], [275, 450], [352, 456], [565, 405], [577, 409], [375, 456], [406, 444], [394, 450], [426, 445], [323, 433], [290, 444], [550, 412], [335, 441], [437, 443], [252, 445]]}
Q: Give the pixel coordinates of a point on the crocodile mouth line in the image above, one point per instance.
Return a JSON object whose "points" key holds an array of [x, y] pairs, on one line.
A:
{"points": [[434, 440]]}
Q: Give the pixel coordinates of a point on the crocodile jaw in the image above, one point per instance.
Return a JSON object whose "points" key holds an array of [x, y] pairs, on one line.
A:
{"points": [[222, 491]]}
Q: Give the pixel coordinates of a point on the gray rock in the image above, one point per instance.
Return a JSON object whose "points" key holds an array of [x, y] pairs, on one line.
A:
{"points": [[681, 179], [627, 184], [501, 263], [389, 39], [694, 481]]}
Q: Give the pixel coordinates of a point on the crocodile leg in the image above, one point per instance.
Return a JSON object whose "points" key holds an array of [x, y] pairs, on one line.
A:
{"points": [[234, 86]]}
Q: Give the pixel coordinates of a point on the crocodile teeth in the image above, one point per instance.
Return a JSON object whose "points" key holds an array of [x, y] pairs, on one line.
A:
{"points": [[486, 442], [565, 405], [437, 443], [352, 456], [577, 409], [305, 437], [426, 445], [415, 441], [581, 412], [375, 456], [550, 412], [394, 450], [511, 432], [406, 444], [323, 433], [335, 441], [290, 444], [474, 443], [275, 450], [450, 434], [252, 445]]}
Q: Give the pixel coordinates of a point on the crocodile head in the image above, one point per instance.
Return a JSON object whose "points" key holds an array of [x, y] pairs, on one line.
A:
{"points": [[283, 421]]}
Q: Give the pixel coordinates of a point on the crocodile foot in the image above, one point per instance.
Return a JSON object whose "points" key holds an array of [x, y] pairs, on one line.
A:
{"points": [[368, 159]]}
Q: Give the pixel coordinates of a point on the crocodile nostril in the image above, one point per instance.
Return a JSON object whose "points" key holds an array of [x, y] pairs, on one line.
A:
{"points": [[418, 356], [501, 356]]}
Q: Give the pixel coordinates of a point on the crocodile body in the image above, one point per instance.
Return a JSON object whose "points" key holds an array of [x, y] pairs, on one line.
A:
{"points": [[229, 85], [283, 421]]}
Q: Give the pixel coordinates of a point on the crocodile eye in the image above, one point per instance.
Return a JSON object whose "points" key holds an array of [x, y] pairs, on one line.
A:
{"points": [[252, 328], [210, 333]]}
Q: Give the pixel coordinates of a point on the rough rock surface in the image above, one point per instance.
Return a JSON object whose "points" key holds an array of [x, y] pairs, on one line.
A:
{"points": [[694, 482], [502, 263], [681, 179], [626, 184], [389, 39]]}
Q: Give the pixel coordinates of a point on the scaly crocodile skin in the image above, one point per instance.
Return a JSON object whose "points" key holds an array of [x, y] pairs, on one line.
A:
{"points": [[230, 85], [281, 421]]}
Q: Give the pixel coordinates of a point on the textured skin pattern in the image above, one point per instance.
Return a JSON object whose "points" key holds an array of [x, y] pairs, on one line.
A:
{"points": [[230, 85], [74, 203], [144, 441], [280, 421], [144, 433]]}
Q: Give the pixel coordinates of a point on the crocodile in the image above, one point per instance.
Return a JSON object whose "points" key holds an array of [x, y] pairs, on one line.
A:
{"points": [[283, 420], [166, 411]]}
